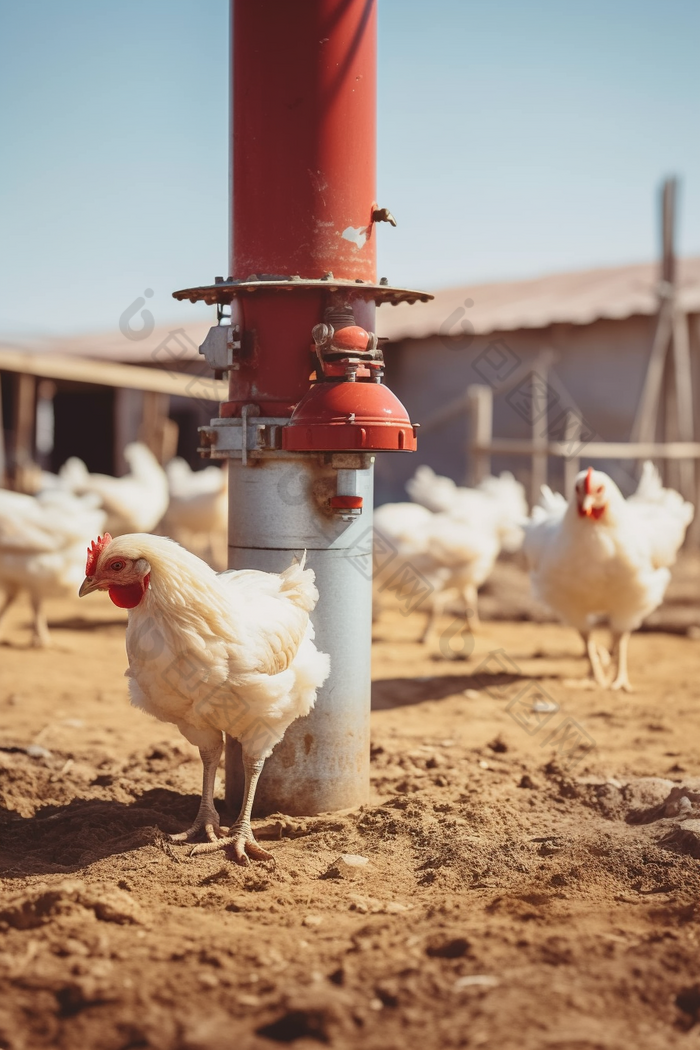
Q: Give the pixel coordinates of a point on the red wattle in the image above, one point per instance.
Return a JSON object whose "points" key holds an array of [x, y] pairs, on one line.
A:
{"points": [[129, 596]]}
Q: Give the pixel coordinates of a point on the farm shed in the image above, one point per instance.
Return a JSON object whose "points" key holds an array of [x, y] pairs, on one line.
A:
{"points": [[55, 392], [589, 334]]}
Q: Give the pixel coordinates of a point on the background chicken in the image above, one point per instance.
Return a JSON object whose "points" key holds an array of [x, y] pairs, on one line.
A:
{"points": [[42, 548], [441, 555], [133, 503], [497, 502], [197, 514], [448, 539], [212, 653], [603, 557]]}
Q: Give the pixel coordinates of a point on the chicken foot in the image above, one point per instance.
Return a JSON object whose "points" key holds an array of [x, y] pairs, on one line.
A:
{"points": [[620, 644], [207, 818], [240, 834]]}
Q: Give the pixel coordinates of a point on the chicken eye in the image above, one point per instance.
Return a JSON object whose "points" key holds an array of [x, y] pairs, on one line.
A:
{"points": [[116, 566], [599, 489]]}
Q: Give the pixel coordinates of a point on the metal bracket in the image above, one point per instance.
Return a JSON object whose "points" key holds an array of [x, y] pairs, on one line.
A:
{"points": [[220, 347], [251, 433]]}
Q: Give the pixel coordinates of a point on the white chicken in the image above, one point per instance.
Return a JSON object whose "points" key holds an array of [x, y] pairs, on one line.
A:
{"points": [[603, 557], [436, 556], [445, 544], [42, 541], [213, 653], [497, 502], [197, 514], [133, 503]]}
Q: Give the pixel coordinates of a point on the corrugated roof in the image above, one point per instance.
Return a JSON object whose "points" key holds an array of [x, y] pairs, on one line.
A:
{"points": [[569, 298], [561, 298], [165, 345]]}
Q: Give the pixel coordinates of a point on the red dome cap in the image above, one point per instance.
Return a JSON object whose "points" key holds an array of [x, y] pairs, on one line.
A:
{"points": [[349, 417]]}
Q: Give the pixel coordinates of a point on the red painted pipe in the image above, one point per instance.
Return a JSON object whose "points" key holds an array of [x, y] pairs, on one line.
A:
{"points": [[303, 178]]}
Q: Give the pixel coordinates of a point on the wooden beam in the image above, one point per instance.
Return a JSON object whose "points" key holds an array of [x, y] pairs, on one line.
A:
{"points": [[107, 373], [598, 449]]}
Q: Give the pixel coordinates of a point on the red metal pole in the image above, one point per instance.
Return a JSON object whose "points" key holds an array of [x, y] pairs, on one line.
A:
{"points": [[303, 168], [302, 289]]}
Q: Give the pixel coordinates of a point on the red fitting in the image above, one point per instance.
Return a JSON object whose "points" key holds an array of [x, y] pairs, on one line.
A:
{"points": [[346, 502], [349, 417]]}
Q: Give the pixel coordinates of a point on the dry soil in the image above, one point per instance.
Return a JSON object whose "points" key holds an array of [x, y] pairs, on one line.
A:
{"points": [[533, 855]]}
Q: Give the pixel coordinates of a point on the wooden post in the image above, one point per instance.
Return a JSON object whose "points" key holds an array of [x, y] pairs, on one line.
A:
{"points": [[683, 400], [572, 464], [157, 431], [480, 432], [539, 425], [23, 452], [644, 428], [3, 456]]}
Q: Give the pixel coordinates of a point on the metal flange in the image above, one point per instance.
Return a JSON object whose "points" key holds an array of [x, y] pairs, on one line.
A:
{"points": [[223, 292]]}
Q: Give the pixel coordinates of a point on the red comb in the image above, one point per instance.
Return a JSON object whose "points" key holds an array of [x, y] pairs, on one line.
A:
{"points": [[94, 551], [587, 481]]}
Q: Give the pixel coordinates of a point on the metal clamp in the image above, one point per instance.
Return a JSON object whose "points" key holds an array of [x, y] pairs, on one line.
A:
{"points": [[220, 347]]}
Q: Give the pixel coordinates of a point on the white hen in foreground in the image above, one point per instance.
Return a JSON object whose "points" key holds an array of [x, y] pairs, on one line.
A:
{"points": [[603, 557], [231, 653], [42, 548], [133, 503]]}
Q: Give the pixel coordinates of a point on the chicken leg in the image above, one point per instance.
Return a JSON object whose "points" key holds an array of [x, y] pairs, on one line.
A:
{"points": [[207, 818], [240, 834], [620, 643], [599, 676], [41, 638], [10, 596]]}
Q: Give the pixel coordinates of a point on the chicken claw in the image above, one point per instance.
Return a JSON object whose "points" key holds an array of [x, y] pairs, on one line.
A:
{"points": [[205, 821], [245, 847]]}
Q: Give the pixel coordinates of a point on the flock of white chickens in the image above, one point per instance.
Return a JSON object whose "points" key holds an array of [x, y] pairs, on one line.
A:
{"points": [[43, 537], [233, 652], [598, 558]]}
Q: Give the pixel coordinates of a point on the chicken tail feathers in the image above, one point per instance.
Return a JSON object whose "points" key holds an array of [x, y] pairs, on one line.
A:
{"points": [[298, 584]]}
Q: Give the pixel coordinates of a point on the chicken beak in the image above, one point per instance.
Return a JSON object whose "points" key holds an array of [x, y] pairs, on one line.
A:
{"points": [[587, 506], [89, 584]]}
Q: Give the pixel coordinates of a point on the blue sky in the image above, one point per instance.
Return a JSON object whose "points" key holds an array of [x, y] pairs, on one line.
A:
{"points": [[514, 139]]}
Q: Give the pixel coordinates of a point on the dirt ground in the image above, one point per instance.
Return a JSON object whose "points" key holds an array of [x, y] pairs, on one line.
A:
{"points": [[533, 854]]}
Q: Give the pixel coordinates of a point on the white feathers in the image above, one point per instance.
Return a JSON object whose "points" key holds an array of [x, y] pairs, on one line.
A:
{"points": [[42, 545], [197, 514], [232, 652], [497, 503], [613, 567], [449, 539], [133, 503]]}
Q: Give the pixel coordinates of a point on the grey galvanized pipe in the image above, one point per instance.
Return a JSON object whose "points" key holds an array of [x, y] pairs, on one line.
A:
{"points": [[278, 509]]}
